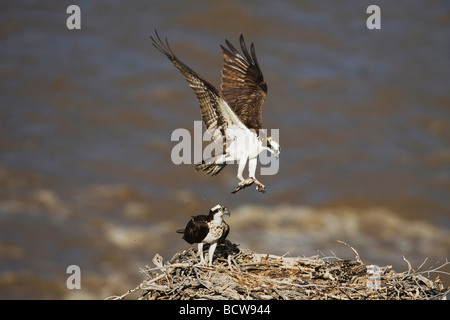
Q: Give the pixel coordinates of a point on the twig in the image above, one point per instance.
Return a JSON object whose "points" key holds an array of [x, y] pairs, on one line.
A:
{"points": [[409, 265], [358, 258]]}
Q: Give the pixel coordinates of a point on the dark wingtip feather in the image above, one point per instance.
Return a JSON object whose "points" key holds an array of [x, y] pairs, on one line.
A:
{"points": [[164, 47], [244, 48]]}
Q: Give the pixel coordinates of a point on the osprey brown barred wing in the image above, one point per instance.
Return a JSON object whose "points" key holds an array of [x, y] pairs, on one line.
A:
{"points": [[216, 114], [243, 85]]}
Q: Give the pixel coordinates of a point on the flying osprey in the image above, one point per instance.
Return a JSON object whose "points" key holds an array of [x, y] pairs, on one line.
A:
{"points": [[233, 117], [210, 229]]}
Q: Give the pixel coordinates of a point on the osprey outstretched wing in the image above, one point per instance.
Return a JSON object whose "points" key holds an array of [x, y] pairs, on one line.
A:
{"points": [[230, 115], [243, 85], [216, 114]]}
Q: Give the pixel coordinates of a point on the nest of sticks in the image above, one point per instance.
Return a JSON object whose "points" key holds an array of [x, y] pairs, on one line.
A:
{"points": [[245, 275]]}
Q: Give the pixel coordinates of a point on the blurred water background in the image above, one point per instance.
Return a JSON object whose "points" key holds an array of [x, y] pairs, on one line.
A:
{"points": [[86, 118]]}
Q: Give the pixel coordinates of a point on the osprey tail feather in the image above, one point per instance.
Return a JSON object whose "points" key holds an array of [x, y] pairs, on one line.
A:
{"points": [[210, 168]]}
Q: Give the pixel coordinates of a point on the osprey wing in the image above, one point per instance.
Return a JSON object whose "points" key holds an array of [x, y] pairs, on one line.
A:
{"points": [[196, 230], [243, 85], [216, 114]]}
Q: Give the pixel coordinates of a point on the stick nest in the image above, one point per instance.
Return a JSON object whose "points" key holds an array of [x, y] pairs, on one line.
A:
{"points": [[240, 274]]}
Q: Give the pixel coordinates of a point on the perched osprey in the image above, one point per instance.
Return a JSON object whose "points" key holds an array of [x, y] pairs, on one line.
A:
{"points": [[210, 229], [233, 117]]}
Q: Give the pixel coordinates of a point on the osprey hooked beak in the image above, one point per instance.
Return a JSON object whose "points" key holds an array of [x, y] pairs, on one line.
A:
{"points": [[226, 211]]}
